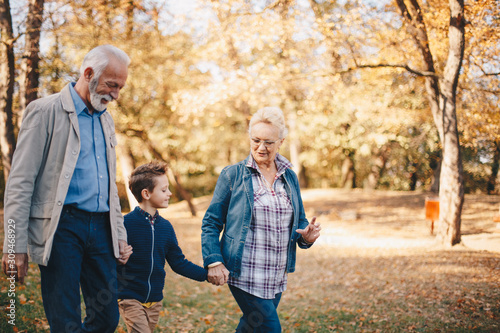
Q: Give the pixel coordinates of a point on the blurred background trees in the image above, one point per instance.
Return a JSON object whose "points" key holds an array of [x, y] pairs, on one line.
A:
{"points": [[354, 82]]}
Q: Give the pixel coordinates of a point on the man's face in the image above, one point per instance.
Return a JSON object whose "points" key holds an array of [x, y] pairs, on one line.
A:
{"points": [[107, 87]]}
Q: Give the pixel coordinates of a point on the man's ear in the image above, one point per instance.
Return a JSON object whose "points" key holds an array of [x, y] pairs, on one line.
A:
{"points": [[88, 74], [145, 194]]}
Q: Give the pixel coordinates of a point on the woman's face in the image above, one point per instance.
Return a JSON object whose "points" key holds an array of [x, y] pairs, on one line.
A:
{"points": [[264, 143]]}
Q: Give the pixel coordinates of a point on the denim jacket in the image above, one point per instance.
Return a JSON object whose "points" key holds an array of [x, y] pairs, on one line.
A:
{"points": [[230, 212]]}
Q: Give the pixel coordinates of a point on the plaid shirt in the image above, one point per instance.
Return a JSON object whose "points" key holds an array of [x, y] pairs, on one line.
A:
{"points": [[149, 218], [263, 265]]}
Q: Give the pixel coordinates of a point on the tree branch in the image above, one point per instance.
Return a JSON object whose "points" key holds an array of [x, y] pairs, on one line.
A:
{"points": [[356, 67], [406, 67]]}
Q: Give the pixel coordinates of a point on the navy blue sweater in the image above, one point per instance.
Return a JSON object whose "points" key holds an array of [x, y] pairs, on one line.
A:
{"points": [[143, 277]]}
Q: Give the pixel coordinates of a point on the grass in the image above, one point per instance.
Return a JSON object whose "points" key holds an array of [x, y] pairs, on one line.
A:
{"points": [[378, 273]]}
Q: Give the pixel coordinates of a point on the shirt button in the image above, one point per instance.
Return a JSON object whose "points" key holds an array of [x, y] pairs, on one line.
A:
{"points": [[98, 157], [100, 176], [59, 203], [74, 152], [66, 176]]}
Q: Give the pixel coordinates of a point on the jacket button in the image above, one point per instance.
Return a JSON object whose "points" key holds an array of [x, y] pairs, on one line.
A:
{"points": [[66, 176], [59, 203]]}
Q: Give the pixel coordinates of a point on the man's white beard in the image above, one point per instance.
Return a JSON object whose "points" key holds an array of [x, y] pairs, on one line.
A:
{"points": [[95, 98]]}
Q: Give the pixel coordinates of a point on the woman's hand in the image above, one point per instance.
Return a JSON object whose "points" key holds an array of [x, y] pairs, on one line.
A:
{"points": [[218, 275], [311, 232]]}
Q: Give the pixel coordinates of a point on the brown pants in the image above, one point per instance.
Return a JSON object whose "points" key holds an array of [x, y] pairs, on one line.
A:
{"points": [[138, 318]]}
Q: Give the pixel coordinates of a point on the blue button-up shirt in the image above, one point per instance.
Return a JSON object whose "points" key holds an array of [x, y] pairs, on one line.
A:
{"points": [[89, 186]]}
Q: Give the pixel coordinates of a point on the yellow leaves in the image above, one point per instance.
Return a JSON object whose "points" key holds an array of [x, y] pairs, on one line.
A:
{"points": [[208, 319], [22, 299]]}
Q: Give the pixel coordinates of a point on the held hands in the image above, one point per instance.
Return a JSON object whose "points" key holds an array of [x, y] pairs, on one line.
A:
{"points": [[15, 267], [311, 232], [218, 275], [125, 252]]}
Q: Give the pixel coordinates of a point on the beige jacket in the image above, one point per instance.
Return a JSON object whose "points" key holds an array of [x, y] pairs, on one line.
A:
{"points": [[47, 150]]}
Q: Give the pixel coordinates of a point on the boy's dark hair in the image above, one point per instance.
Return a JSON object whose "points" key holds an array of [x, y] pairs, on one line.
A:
{"points": [[143, 177]]}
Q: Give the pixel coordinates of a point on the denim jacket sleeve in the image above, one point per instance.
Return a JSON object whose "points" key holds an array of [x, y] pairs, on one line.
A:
{"points": [[302, 220], [215, 219]]}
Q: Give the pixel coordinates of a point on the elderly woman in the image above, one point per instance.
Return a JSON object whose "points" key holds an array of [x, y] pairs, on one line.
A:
{"points": [[258, 208]]}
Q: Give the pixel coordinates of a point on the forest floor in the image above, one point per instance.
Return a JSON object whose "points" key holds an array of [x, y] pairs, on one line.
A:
{"points": [[375, 268]]}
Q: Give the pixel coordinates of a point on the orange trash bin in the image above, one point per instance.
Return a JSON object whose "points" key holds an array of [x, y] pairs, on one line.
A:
{"points": [[432, 210]]}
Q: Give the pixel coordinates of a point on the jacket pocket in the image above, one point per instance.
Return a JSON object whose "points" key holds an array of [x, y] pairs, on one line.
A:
{"points": [[227, 249], [42, 210], [38, 233], [112, 140]]}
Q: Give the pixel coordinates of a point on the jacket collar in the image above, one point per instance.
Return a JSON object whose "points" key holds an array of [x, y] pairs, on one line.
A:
{"points": [[69, 103], [67, 100]]}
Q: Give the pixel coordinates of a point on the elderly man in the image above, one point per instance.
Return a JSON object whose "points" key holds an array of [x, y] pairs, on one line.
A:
{"points": [[61, 200]]}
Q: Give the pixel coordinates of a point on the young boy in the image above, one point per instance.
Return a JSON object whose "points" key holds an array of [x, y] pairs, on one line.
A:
{"points": [[141, 279]]}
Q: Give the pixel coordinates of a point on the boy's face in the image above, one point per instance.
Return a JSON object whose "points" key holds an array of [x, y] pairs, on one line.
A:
{"points": [[161, 194]]}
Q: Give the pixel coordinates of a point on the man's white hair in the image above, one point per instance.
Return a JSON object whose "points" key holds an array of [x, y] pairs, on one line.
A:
{"points": [[270, 115], [99, 57]]}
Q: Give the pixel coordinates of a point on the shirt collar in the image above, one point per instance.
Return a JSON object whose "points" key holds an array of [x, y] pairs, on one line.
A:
{"points": [[78, 101], [151, 219], [282, 163]]}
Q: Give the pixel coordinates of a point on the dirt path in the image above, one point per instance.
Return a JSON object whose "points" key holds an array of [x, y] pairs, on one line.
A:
{"points": [[385, 219], [396, 219], [376, 268]]}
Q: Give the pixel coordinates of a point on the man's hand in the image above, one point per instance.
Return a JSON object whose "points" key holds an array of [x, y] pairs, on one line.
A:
{"points": [[125, 252], [17, 266], [218, 275], [311, 232]]}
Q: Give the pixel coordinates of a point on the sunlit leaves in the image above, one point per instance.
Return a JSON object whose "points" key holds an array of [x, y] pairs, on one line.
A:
{"points": [[200, 69]]}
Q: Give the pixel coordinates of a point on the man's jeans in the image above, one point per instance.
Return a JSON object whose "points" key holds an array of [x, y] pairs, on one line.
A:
{"points": [[259, 315], [82, 256]]}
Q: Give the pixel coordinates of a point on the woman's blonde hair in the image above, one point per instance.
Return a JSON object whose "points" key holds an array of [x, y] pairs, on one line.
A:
{"points": [[270, 115]]}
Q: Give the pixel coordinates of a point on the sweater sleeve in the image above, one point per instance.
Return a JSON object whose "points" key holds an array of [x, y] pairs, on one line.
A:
{"points": [[179, 263]]}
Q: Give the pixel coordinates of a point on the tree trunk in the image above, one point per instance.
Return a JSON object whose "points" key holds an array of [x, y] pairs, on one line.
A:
{"points": [[413, 176], [451, 193], [379, 158], [442, 101], [495, 166], [348, 180], [127, 164], [294, 143], [436, 178], [7, 72], [30, 73]]}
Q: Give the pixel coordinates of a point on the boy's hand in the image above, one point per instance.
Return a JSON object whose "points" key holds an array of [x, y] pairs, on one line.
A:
{"points": [[218, 275], [125, 252]]}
